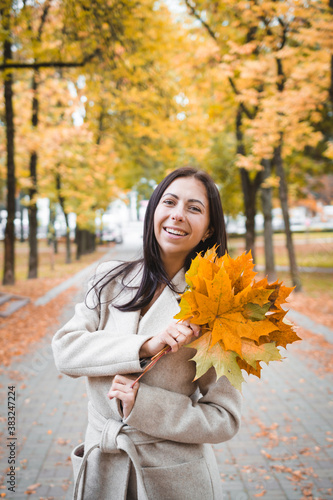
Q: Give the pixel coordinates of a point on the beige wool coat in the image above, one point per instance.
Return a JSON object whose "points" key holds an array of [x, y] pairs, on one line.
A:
{"points": [[162, 449]]}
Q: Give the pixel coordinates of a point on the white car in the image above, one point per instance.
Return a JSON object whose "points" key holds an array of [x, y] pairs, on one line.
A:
{"points": [[113, 232]]}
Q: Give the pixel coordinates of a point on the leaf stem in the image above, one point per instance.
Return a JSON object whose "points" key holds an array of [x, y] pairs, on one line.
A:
{"points": [[154, 360]]}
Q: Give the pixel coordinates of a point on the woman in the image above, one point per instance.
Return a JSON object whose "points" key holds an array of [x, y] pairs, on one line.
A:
{"points": [[150, 441]]}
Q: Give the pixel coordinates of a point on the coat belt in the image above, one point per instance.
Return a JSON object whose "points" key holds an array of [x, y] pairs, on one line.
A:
{"points": [[116, 437]]}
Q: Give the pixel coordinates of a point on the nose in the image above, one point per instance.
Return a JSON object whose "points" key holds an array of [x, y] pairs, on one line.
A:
{"points": [[177, 215]]}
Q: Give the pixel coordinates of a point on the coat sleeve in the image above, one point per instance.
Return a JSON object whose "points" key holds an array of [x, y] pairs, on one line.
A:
{"points": [[81, 349], [214, 418]]}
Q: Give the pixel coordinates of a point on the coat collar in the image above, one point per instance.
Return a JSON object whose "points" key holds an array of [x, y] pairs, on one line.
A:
{"points": [[134, 279], [158, 316]]}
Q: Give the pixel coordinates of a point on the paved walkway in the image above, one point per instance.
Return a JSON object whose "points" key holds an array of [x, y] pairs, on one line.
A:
{"points": [[283, 451]]}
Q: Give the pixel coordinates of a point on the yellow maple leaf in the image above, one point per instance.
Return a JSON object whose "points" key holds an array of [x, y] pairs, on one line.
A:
{"points": [[223, 361]]}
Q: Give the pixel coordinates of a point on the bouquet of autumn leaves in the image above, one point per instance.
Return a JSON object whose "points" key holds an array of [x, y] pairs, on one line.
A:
{"points": [[242, 320]]}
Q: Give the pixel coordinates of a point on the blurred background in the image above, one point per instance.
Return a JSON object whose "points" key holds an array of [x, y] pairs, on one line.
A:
{"points": [[99, 102]]}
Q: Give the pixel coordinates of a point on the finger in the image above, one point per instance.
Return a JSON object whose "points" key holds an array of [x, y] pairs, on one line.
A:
{"points": [[123, 396], [122, 380], [120, 387], [185, 336], [116, 388], [176, 336], [170, 340], [183, 339], [127, 398], [115, 394], [186, 330], [119, 393], [195, 328]]}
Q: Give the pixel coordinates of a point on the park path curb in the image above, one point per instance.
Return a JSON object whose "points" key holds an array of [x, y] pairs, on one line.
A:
{"points": [[307, 323], [73, 280], [301, 269]]}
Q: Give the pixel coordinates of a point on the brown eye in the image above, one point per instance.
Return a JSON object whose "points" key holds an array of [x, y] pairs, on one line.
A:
{"points": [[195, 209]]}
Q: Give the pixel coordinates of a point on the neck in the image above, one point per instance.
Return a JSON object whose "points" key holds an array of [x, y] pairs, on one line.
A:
{"points": [[172, 265]]}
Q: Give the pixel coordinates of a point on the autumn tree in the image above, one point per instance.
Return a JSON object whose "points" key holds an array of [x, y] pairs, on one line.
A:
{"points": [[224, 24], [28, 45], [9, 240], [262, 56], [133, 108]]}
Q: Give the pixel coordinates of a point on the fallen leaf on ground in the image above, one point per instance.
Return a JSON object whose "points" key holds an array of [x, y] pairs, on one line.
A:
{"points": [[23, 328], [32, 489]]}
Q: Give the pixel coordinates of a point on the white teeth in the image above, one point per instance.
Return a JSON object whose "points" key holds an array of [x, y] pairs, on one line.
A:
{"points": [[175, 231]]}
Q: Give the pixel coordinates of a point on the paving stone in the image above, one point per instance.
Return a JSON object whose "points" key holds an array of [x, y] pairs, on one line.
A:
{"points": [[236, 494]]}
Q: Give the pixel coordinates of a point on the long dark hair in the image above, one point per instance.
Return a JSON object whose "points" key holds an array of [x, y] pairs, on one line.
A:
{"points": [[151, 263]]}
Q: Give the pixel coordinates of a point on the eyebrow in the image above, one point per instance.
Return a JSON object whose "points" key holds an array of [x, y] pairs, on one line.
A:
{"points": [[177, 197]]}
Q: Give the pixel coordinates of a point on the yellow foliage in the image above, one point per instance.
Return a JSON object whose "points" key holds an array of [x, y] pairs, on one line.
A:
{"points": [[329, 151]]}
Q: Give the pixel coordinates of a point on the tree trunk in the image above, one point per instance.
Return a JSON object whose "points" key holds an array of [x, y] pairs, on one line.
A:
{"points": [[283, 193], [249, 189], [62, 204], [84, 241], [68, 242], [266, 203], [9, 239], [92, 242], [283, 190], [52, 237], [33, 224], [331, 83], [78, 241], [32, 214], [21, 217]]}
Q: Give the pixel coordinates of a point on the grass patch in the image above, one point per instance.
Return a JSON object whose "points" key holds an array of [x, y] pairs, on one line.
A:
{"points": [[305, 257], [314, 284]]}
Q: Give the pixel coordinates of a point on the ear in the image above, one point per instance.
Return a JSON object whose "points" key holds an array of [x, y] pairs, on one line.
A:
{"points": [[208, 234]]}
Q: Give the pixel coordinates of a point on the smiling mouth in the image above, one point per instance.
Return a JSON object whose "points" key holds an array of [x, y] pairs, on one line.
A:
{"points": [[178, 232]]}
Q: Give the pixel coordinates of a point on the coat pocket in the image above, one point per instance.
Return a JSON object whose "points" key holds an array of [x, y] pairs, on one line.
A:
{"points": [[188, 481]]}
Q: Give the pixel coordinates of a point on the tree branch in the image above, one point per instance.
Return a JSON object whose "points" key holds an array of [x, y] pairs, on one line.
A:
{"points": [[50, 64], [46, 9], [250, 34], [248, 113], [281, 76], [284, 32], [197, 15]]}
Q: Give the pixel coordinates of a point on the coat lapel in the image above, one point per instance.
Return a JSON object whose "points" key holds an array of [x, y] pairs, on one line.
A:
{"points": [[126, 322], [157, 317], [164, 309]]}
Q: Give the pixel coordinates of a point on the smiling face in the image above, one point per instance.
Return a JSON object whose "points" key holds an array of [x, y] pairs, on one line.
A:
{"points": [[181, 220]]}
